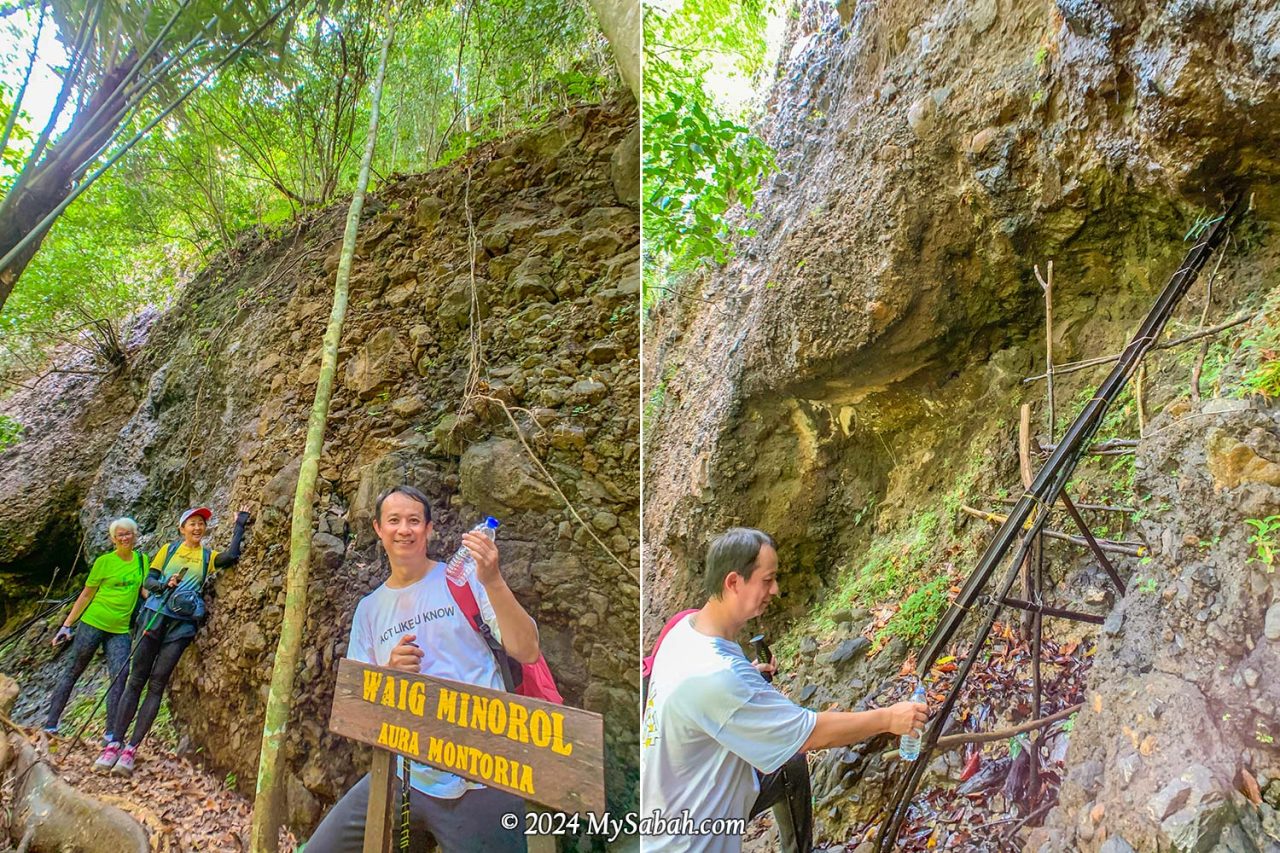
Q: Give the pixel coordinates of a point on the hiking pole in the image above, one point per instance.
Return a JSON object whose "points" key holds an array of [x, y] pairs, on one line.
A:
{"points": [[763, 655]]}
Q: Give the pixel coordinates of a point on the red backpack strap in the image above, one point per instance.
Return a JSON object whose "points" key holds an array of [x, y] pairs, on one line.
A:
{"points": [[466, 601], [646, 667]]}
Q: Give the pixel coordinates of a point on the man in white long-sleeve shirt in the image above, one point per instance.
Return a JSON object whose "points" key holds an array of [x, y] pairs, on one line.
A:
{"points": [[717, 740]]}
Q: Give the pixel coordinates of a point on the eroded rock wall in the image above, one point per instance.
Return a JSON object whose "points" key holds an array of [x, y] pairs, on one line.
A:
{"points": [[929, 156], [215, 407]]}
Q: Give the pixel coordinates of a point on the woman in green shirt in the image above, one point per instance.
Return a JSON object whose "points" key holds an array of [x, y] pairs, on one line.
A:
{"points": [[104, 610]]}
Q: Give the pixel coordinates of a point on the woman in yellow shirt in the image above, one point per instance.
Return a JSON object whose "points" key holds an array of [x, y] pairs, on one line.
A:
{"points": [[103, 609]]}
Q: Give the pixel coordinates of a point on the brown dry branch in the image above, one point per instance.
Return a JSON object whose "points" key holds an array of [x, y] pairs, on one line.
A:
{"points": [[1129, 549], [949, 742], [506, 410], [1072, 367]]}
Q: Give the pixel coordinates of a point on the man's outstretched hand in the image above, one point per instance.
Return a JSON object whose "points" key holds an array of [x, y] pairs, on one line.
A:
{"points": [[907, 717]]}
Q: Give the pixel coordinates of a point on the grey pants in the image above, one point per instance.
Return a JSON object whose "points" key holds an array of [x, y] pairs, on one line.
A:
{"points": [[83, 648], [470, 824]]}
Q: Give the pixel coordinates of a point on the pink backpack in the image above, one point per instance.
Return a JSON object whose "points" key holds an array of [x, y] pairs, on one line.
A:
{"points": [[646, 666], [525, 679]]}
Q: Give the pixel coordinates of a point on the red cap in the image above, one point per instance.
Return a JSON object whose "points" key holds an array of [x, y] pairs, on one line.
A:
{"points": [[201, 511]]}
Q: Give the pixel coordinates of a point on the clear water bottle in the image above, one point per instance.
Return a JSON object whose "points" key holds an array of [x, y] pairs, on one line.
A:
{"points": [[909, 745], [461, 567]]}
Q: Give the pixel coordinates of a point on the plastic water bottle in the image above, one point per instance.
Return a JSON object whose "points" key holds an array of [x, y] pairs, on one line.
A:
{"points": [[461, 567], [909, 745]]}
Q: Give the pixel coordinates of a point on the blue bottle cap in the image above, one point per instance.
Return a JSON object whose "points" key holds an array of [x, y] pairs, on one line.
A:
{"points": [[491, 523]]}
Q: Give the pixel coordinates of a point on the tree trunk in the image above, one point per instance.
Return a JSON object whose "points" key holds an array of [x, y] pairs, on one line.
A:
{"points": [[266, 822], [50, 181], [620, 21]]}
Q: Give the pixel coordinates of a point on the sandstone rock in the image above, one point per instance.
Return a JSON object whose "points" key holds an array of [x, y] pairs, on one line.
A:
{"points": [[602, 352], [624, 169], [498, 478], [1116, 844], [588, 391], [982, 14], [380, 361], [428, 210], [407, 406], [327, 551], [1232, 462], [600, 243], [982, 140]]}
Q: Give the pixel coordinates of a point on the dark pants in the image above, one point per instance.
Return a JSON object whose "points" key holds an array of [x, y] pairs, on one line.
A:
{"points": [[787, 791], [83, 648], [470, 824], [153, 662]]}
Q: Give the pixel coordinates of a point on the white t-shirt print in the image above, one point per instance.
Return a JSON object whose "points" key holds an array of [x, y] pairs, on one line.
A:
{"points": [[452, 648], [710, 722]]}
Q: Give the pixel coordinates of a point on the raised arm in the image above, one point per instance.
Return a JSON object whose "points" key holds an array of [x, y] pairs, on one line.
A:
{"points": [[519, 633], [231, 555]]}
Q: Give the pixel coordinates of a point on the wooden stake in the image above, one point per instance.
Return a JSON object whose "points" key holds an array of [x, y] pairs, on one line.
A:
{"points": [[1047, 285], [1024, 466], [379, 820]]}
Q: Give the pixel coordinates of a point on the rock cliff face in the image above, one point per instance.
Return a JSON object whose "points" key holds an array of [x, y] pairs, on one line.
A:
{"points": [[538, 235], [858, 366]]}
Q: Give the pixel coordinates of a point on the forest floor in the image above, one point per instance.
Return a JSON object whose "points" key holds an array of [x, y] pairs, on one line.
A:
{"points": [[183, 808]]}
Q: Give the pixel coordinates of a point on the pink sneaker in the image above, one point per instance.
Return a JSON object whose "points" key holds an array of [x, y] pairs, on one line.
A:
{"points": [[124, 765], [109, 757]]}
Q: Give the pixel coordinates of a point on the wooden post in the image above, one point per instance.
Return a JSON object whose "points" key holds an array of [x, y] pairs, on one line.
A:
{"points": [[1024, 465], [1047, 285], [379, 827]]}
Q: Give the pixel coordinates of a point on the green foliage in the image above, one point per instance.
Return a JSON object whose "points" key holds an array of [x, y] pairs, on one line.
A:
{"points": [[1263, 540], [277, 135], [702, 165], [10, 432]]}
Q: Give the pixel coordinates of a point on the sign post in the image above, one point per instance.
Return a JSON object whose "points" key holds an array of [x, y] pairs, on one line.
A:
{"points": [[549, 754]]}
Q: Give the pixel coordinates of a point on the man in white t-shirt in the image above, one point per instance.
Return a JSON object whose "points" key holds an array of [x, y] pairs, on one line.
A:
{"points": [[718, 741], [412, 623]]}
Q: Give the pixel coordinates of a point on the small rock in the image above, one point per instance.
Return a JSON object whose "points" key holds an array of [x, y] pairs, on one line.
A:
{"points": [[1129, 766], [1169, 799], [1250, 677], [1222, 405], [1116, 844], [848, 649], [808, 646], [806, 693], [1271, 624], [1094, 595], [1113, 625], [603, 521], [982, 139], [407, 407], [920, 116]]}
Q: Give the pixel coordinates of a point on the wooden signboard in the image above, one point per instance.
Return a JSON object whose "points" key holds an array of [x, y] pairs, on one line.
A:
{"points": [[547, 753]]}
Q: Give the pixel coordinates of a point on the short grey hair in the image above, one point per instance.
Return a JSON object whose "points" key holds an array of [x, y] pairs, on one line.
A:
{"points": [[127, 523], [735, 550]]}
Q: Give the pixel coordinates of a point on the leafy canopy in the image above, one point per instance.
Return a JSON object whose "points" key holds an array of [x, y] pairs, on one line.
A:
{"points": [[702, 165]]}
